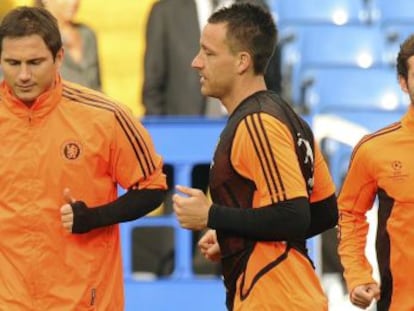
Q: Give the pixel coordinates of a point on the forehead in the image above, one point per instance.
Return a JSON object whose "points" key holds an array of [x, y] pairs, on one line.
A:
{"points": [[21, 48], [214, 35]]}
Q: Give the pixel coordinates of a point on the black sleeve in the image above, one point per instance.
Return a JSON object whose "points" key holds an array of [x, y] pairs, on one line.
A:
{"points": [[324, 215], [131, 205], [283, 221]]}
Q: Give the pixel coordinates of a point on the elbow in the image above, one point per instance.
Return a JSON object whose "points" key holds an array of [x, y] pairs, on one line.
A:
{"points": [[324, 216], [157, 198], [147, 200], [303, 223], [300, 218], [333, 214]]}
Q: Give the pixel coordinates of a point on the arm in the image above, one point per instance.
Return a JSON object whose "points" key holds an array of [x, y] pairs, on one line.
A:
{"points": [[280, 208], [324, 216], [356, 198], [91, 56], [324, 207], [130, 206], [263, 151], [133, 164], [154, 62], [270, 219], [270, 223], [278, 222], [95, 53]]}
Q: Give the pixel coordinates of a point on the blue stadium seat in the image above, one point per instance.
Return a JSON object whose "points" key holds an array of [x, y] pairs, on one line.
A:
{"points": [[352, 89], [355, 46], [338, 12], [183, 151], [318, 46], [290, 43], [395, 34], [393, 11], [182, 288], [396, 19]]}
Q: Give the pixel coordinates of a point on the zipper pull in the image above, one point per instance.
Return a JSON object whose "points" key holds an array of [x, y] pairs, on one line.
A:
{"points": [[93, 296]]}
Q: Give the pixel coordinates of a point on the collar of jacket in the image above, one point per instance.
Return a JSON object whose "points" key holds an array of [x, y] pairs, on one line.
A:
{"points": [[43, 105]]}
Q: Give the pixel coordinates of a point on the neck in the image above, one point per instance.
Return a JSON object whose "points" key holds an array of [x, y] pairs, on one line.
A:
{"points": [[241, 91]]}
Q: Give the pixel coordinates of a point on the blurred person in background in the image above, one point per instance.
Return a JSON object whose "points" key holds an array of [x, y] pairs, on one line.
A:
{"points": [[171, 87], [81, 59]]}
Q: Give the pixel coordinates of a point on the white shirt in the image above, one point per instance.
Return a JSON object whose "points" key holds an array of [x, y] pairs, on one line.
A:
{"points": [[206, 7]]}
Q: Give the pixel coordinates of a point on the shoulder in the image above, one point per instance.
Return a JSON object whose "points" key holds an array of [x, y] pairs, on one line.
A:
{"points": [[261, 126], [85, 30], [91, 100], [162, 5], [377, 141], [173, 8]]}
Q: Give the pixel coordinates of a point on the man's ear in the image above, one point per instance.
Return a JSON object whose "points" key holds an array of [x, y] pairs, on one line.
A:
{"points": [[403, 84], [59, 57], [245, 62]]}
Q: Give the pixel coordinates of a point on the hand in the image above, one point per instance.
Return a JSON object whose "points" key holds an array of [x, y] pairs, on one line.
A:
{"points": [[209, 246], [191, 210], [362, 295], [66, 211]]}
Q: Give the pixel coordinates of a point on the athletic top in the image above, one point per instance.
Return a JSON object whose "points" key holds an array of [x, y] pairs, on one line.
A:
{"points": [[256, 165], [76, 138], [381, 167]]}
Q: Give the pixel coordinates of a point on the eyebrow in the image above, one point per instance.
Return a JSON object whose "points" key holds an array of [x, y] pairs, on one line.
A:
{"points": [[7, 59], [205, 47]]}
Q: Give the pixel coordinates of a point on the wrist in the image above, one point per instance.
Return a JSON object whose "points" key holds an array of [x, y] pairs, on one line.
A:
{"points": [[83, 217]]}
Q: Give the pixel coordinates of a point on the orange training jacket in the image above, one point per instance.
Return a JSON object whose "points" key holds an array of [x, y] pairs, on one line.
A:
{"points": [[77, 138], [381, 166]]}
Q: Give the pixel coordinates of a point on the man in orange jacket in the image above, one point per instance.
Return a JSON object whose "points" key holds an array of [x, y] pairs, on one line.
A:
{"points": [[269, 184], [382, 167], [61, 141]]}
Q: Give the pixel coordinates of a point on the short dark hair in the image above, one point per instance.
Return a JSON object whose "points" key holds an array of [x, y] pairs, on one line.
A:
{"points": [[406, 51], [249, 28], [26, 21]]}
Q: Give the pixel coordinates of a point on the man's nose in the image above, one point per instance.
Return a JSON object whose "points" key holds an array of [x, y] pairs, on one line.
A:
{"points": [[25, 72], [196, 63]]}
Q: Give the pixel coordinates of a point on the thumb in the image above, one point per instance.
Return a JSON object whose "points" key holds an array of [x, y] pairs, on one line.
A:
{"points": [[376, 293], [187, 190], [68, 196]]}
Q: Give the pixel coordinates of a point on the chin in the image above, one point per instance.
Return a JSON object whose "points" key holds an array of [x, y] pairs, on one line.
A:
{"points": [[25, 98], [205, 92]]}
